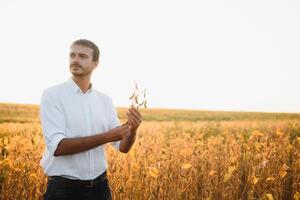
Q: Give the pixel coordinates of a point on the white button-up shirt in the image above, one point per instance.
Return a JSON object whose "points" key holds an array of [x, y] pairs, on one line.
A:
{"points": [[67, 112]]}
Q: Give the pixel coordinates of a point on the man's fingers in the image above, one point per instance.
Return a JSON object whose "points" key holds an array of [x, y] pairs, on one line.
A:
{"points": [[132, 122], [133, 118], [135, 115], [135, 112]]}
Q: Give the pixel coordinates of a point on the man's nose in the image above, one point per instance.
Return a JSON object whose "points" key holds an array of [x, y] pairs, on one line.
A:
{"points": [[75, 59]]}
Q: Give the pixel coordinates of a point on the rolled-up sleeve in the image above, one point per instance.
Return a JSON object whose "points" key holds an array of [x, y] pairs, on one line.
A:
{"points": [[52, 120], [113, 122]]}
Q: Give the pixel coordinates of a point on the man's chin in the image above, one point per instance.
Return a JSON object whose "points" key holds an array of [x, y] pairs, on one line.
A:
{"points": [[77, 74]]}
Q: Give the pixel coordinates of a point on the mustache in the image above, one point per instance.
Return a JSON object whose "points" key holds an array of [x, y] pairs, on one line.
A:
{"points": [[75, 65]]}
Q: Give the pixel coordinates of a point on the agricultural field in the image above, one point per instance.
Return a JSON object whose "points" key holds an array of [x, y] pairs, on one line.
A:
{"points": [[178, 154]]}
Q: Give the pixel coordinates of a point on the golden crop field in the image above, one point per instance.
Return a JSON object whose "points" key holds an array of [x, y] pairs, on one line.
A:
{"points": [[179, 154]]}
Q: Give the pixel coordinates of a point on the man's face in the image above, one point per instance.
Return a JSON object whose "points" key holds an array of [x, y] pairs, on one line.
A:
{"points": [[81, 60]]}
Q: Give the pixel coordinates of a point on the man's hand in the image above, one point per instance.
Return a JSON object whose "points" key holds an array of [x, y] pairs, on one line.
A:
{"points": [[119, 132], [134, 118]]}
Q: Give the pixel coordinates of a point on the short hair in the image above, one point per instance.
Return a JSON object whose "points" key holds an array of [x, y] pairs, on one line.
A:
{"points": [[89, 44]]}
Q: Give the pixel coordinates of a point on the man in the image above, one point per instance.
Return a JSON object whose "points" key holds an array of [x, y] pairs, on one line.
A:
{"points": [[77, 122]]}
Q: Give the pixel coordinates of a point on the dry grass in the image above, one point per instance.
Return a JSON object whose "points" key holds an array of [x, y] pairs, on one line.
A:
{"points": [[243, 158]]}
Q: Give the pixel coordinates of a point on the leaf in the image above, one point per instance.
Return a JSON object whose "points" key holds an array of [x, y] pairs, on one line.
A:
{"points": [[232, 159], [212, 172], [4, 153], [270, 178], [153, 172], [226, 177], [257, 146], [5, 140], [186, 166], [263, 163], [270, 196], [257, 133], [33, 177], [6, 162], [255, 180], [231, 169], [297, 196], [279, 133], [282, 173], [284, 167]]}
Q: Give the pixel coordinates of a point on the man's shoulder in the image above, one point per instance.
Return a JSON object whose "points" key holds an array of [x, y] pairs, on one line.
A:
{"points": [[53, 89]]}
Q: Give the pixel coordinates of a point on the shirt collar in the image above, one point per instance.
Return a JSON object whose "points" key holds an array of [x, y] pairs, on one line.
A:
{"points": [[74, 87]]}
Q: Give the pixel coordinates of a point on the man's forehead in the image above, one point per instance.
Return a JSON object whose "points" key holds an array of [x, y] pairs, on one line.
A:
{"points": [[81, 49]]}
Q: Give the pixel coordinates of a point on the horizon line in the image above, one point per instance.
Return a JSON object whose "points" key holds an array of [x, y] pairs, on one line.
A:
{"points": [[182, 109]]}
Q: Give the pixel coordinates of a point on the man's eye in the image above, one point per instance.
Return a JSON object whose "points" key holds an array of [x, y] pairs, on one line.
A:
{"points": [[82, 56]]}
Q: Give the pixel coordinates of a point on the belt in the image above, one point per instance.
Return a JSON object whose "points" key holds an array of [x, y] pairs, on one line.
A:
{"points": [[81, 183]]}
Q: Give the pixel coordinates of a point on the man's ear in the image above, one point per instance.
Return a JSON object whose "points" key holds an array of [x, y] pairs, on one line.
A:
{"points": [[96, 63]]}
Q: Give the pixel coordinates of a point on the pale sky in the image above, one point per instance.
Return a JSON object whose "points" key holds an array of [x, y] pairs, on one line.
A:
{"points": [[231, 55]]}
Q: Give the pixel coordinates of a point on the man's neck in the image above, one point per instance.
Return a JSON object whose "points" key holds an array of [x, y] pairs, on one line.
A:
{"points": [[83, 83]]}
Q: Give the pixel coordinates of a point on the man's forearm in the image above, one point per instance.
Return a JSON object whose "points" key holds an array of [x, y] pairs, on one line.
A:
{"points": [[76, 145], [127, 142]]}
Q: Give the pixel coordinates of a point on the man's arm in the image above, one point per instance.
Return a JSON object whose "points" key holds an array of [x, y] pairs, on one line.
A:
{"points": [[75, 145], [134, 119], [127, 142]]}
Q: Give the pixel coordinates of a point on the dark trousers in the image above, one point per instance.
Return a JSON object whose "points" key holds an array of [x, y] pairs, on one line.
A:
{"points": [[57, 189]]}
